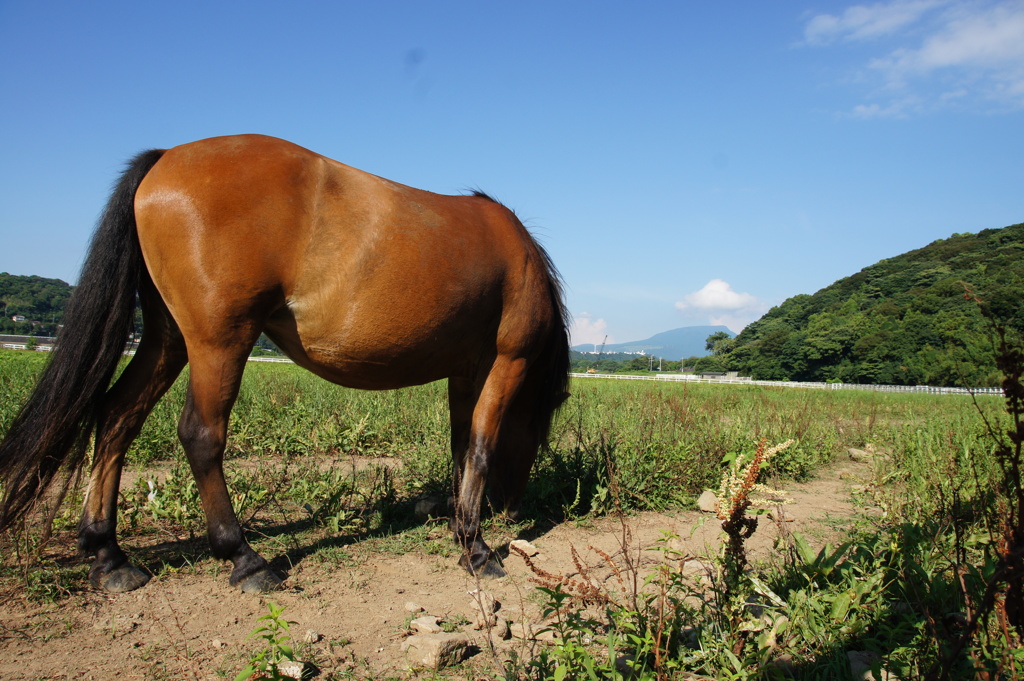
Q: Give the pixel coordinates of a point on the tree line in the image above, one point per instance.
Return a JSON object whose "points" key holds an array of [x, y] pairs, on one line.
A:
{"points": [[909, 320], [621, 362], [39, 300]]}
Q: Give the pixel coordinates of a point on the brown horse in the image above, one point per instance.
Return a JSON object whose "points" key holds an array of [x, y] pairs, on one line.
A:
{"points": [[362, 281]]}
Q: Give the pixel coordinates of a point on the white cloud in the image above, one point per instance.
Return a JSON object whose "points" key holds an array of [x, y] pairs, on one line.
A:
{"points": [[865, 22], [717, 294], [586, 329], [987, 42], [722, 305], [965, 53]]}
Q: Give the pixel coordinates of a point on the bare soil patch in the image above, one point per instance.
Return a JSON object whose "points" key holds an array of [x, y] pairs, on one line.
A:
{"points": [[190, 624]]}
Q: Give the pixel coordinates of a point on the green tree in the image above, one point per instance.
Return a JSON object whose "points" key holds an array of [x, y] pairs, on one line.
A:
{"points": [[903, 320], [718, 343]]}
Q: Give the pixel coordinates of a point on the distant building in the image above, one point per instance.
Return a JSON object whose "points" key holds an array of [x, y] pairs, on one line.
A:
{"points": [[18, 318]]}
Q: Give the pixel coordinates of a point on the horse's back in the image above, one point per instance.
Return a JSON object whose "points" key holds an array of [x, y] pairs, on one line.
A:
{"points": [[366, 281]]}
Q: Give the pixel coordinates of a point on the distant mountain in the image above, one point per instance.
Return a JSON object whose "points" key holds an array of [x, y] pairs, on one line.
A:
{"points": [[688, 341]]}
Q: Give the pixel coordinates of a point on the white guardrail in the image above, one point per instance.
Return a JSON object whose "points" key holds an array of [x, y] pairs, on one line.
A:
{"points": [[691, 378]]}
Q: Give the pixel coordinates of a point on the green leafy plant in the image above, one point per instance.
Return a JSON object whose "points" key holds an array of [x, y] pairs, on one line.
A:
{"points": [[265, 662]]}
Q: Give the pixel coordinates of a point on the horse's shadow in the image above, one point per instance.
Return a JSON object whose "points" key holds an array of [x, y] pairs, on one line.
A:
{"points": [[290, 537]]}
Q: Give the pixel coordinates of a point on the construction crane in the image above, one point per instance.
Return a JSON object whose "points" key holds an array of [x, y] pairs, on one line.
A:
{"points": [[593, 370]]}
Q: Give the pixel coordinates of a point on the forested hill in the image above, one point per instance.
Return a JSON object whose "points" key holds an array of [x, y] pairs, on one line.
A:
{"points": [[37, 299], [904, 320]]}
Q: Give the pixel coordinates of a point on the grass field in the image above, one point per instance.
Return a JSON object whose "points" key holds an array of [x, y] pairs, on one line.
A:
{"points": [[905, 584]]}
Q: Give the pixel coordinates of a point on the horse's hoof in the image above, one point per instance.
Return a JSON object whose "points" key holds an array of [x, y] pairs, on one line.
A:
{"points": [[123, 579], [490, 566], [492, 569], [261, 582]]}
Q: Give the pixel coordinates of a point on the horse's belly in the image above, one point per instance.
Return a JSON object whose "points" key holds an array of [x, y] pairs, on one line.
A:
{"points": [[376, 355], [369, 373]]}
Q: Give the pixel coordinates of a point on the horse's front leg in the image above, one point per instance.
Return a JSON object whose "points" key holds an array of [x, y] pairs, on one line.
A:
{"points": [[499, 390]]}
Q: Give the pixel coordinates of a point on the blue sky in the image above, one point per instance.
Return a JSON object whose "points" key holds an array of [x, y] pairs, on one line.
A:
{"points": [[683, 163]]}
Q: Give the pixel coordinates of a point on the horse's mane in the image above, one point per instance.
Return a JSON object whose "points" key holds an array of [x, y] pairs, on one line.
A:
{"points": [[481, 194], [555, 357]]}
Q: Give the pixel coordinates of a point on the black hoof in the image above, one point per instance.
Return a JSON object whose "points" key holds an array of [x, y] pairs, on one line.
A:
{"points": [[483, 565], [261, 582], [120, 580]]}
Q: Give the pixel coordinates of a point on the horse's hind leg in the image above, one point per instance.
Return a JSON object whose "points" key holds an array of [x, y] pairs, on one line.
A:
{"points": [[462, 397], [498, 392], [158, 361], [216, 373]]}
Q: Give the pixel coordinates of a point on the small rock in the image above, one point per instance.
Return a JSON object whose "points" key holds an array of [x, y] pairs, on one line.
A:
{"points": [[524, 546], [858, 455], [426, 625], [436, 651], [484, 602], [521, 630], [413, 607], [698, 567], [861, 662], [293, 669], [217, 643], [707, 502], [312, 636], [532, 632], [500, 629], [483, 620]]}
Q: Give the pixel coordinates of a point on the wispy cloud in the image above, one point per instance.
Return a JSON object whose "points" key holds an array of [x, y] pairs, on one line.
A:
{"points": [[721, 305], [865, 22], [586, 329], [935, 53]]}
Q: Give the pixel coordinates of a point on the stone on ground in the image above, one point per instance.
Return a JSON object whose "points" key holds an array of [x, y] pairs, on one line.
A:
{"points": [[708, 502], [860, 666], [524, 546], [858, 454], [436, 651], [426, 625]]}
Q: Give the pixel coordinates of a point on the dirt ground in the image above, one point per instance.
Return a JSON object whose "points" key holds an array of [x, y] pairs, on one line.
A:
{"points": [[194, 626]]}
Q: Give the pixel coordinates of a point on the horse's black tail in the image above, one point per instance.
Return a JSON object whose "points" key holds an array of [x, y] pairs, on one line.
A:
{"points": [[52, 429]]}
